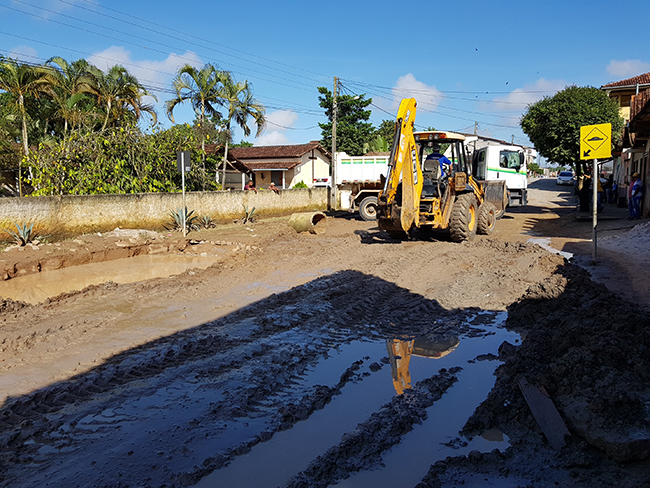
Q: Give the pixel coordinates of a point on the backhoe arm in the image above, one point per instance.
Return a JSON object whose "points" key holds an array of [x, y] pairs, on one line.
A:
{"points": [[395, 213]]}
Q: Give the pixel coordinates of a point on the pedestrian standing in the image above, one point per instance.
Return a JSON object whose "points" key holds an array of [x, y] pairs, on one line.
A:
{"points": [[636, 195]]}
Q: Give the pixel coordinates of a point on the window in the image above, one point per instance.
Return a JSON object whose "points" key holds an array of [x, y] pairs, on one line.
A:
{"points": [[509, 159], [479, 161]]}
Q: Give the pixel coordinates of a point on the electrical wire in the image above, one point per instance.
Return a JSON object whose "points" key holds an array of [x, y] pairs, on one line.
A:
{"points": [[296, 84]]}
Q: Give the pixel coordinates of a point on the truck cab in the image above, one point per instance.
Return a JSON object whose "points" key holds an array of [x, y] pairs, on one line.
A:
{"points": [[507, 163]]}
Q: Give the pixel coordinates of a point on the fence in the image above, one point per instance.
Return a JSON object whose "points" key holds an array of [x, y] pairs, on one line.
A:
{"points": [[77, 214]]}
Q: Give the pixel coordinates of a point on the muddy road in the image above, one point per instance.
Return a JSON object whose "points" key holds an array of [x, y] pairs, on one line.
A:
{"points": [[347, 359]]}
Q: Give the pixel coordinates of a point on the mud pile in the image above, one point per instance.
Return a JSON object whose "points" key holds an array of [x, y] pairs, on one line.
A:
{"points": [[589, 349]]}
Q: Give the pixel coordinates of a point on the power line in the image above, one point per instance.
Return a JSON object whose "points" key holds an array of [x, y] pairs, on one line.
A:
{"points": [[169, 29], [189, 60]]}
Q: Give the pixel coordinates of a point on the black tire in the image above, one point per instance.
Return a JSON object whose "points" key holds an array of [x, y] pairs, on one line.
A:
{"points": [[368, 209], [463, 221], [486, 219]]}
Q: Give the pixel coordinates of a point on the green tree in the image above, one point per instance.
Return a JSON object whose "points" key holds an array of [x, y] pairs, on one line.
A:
{"points": [[376, 144], [240, 104], [387, 130], [200, 87], [352, 126], [553, 123], [121, 95], [21, 81], [70, 83]]}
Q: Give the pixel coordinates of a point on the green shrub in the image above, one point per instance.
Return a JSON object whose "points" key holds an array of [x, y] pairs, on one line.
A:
{"points": [[300, 184]]}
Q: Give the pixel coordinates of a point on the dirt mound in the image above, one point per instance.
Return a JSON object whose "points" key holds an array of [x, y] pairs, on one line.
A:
{"points": [[8, 305], [590, 351]]}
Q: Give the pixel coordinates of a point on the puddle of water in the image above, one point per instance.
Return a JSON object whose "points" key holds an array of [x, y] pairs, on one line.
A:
{"points": [[37, 287], [291, 451], [408, 462], [273, 463]]}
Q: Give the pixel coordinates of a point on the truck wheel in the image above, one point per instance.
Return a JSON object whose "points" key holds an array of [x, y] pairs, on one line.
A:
{"points": [[462, 224], [368, 208], [486, 218]]}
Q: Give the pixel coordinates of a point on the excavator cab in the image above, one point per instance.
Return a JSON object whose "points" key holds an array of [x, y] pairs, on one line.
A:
{"points": [[430, 185]]}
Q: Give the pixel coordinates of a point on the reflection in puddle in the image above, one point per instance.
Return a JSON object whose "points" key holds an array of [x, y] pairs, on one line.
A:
{"points": [[274, 462], [38, 287], [400, 352]]}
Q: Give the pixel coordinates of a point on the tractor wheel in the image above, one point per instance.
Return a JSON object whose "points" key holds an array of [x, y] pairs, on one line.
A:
{"points": [[486, 218], [463, 221], [368, 208]]}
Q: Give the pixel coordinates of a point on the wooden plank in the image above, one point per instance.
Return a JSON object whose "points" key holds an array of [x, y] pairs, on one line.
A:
{"points": [[544, 411]]}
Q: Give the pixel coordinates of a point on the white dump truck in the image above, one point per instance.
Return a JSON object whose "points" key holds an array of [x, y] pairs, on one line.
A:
{"points": [[358, 180], [508, 163]]}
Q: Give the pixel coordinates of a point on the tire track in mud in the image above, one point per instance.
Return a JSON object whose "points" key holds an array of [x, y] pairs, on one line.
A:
{"points": [[249, 365], [362, 448]]}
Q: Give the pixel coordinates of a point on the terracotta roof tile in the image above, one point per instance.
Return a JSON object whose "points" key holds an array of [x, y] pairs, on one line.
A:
{"points": [[643, 79], [272, 152], [277, 165]]}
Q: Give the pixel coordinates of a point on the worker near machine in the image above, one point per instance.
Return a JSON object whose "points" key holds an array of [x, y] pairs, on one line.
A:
{"points": [[445, 164]]}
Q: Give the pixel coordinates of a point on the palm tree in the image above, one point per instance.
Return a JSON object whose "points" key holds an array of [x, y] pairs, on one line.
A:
{"points": [[378, 144], [70, 82], [201, 88], [120, 93], [21, 81], [238, 99]]}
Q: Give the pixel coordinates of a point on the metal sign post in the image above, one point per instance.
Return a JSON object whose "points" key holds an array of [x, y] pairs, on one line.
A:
{"points": [[184, 164], [595, 142], [595, 179]]}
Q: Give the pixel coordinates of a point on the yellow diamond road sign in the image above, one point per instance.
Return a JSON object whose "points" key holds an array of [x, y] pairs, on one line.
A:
{"points": [[596, 141]]}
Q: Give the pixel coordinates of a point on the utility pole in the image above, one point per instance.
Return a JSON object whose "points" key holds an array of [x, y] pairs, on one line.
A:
{"points": [[332, 199], [476, 128]]}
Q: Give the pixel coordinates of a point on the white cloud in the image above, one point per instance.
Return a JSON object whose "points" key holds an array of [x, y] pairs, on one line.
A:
{"points": [[24, 53], [627, 68], [520, 98], [147, 71], [272, 138], [277, 124], [282, 118], [408, 86], [513, 105]]}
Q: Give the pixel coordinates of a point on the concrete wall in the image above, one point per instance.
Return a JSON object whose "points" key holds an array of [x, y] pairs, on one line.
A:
{"points": [[96, 213]]}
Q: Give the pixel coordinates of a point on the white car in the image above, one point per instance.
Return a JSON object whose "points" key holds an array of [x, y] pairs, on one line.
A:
{"points": [[565, 178]]}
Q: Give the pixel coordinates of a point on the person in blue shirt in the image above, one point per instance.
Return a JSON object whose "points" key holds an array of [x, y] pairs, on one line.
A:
{"points": [[445, 164], [636, 195]]}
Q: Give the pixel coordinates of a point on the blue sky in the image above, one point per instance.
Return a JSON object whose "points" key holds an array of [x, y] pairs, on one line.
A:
{"points": [[465, 62]]}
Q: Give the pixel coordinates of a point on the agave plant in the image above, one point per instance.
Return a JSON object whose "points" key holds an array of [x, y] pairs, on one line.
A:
{"points": [[248, 214], [178, 216], [24, 234], [207, 221]]}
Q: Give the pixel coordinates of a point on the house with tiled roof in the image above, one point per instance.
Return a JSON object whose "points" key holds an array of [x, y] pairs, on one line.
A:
{"points": [[633, 96], [622, 91], [285, 165]]}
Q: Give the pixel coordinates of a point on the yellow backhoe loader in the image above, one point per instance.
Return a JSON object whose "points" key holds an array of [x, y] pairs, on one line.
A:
{"points": [[425, 189]]}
